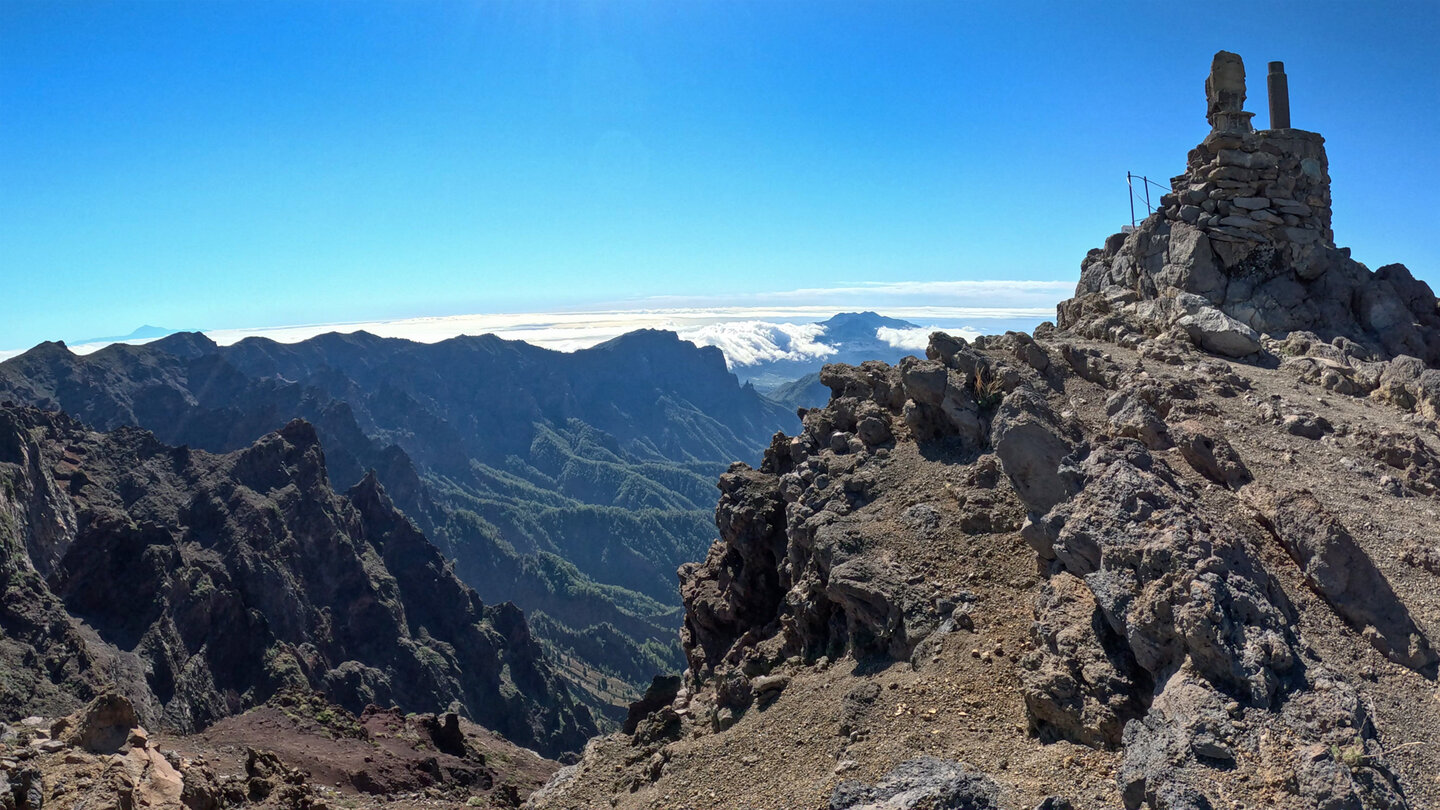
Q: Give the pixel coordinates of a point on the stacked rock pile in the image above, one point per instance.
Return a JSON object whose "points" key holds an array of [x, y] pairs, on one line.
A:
{"points": [[1242, 250], [1247, 188]]}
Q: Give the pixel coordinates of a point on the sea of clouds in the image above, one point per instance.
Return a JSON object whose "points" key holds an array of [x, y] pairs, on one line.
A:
{"points": [[749, 329]]}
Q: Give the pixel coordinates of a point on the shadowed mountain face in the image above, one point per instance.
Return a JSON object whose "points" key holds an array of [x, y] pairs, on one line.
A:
{"points": [[200, 585], [806, 392], [445, 404], [572, 484]]}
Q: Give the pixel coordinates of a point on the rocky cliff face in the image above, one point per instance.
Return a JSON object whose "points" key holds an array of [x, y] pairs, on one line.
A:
{"points": [[201, 585], [571, 484], [1098, 566]]}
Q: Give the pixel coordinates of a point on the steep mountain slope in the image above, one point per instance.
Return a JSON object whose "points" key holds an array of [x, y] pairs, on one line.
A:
{"points": [[805, 393], [572, 484], [201, 585], [1096, 567]]}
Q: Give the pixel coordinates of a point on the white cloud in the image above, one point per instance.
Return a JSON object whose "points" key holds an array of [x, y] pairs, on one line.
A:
{"points": [[909, 339], [750, 342], [747, 335], [749, 328], [746, 343]]}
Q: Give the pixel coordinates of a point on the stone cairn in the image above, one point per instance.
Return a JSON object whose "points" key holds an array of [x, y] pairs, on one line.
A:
{"points": [[1241, 250], [1245, 188]]}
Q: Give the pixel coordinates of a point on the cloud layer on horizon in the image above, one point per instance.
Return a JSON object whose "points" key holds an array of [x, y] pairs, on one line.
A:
{"points": [[748, 343], [748, 328], [746, 336], [917, 339]]}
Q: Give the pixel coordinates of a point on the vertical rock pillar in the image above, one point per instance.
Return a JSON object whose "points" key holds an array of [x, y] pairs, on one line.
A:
{"points": [[1279, 88], [1225, 94]]}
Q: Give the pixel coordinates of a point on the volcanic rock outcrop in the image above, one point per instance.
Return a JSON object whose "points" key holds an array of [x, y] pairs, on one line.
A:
{"points": [[1099, 566], [200, 585], [1242, 247]]}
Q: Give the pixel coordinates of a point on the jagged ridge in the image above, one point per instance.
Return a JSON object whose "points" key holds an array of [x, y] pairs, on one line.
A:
{"points": [[572, 484], [202, 584]]}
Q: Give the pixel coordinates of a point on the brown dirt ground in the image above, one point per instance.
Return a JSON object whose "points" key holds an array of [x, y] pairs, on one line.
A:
{"points": [[346, 769]]}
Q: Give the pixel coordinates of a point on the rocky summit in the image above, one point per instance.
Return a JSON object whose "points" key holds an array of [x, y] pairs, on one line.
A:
{"points": [[1242, 247], [1176, 552]]}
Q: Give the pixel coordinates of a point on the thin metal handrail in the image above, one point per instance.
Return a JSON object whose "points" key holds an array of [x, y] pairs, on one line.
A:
{"points": [[1129, 177]]}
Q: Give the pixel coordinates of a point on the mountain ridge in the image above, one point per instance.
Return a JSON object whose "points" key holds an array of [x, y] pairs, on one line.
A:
{"points": [[501, 452], [201, 585], [847, 337]]}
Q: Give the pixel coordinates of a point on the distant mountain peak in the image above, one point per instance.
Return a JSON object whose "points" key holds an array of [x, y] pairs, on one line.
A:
{"points": [[860, 326], [186, 344], [642, 337], [146, 332], [866, 318], [772, 354]]}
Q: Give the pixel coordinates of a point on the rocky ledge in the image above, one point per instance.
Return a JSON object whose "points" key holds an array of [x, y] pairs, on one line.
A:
{"points": [[1086, 575]]}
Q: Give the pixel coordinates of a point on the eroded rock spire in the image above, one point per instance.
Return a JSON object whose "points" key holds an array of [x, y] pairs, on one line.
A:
{"points": [[1225, 93]]}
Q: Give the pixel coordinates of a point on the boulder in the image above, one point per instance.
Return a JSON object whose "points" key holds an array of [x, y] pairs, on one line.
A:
{"points": [[1304, 426], [103, 726], [767, 684], [925, 381], [1132, 416], [870, 595], [924, 783], [1192, 265], [1211, 456], [1130, 525], [444, 731], [1217, 332], [1031, 445], [661, 693], [1338, 569], [147, 779], [1078, 684]]}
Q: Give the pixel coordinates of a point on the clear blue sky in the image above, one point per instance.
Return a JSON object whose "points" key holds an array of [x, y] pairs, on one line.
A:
{"points": [[215, 164]]}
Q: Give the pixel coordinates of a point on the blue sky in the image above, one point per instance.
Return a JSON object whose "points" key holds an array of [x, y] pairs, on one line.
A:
{"points": [[223, 165]]}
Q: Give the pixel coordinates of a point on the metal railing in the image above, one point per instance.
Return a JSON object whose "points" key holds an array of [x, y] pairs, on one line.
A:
{"points": [[1145, 184]]}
